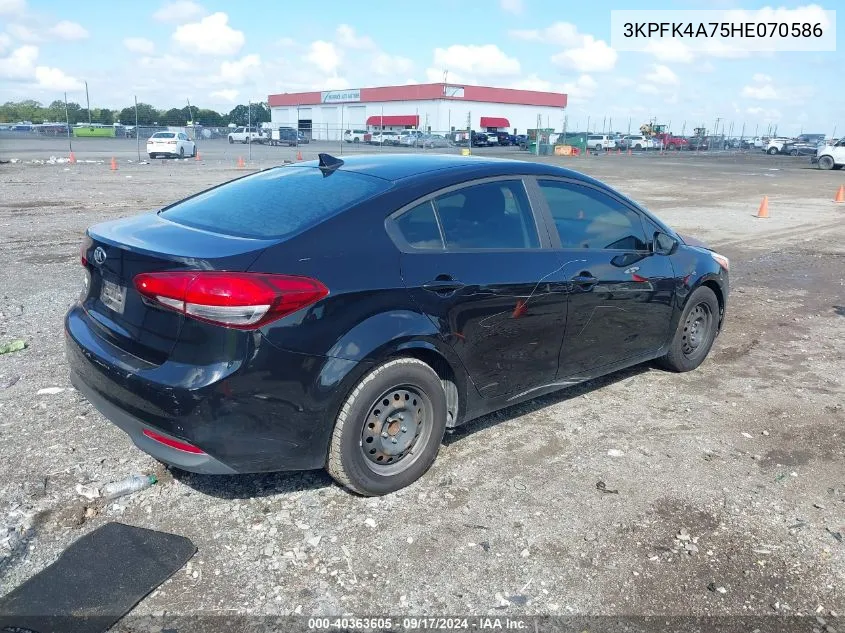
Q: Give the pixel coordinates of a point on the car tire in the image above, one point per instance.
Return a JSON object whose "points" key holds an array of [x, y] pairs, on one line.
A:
{"points": [[152, 156], [598, 148], [356, 140], [670, 147], [638, 146], [772, 151], [181, 152], [826, 162], [696, 331], [794, 152], [357, 452], [231, 140]]}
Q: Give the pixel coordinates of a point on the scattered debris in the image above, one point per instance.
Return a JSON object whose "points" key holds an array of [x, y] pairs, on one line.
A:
{"points": [[747, 435], [836, 535], [89, 491], [602, 487], [525, 553], [49, 391], [10, 381], [370, 522], [127, 486], [615, 452], [13, 346]]}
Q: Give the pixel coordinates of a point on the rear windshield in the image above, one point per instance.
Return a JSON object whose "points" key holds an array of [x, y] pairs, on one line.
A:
{"points": [[275, 203], [164, 135]]}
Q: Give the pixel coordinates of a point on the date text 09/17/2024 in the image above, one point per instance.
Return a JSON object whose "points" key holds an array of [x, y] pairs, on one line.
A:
{"points": [[483, 623]]}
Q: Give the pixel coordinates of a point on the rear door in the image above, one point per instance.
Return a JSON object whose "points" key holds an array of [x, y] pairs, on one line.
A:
{"points": [[621, 298], [474, 261]]}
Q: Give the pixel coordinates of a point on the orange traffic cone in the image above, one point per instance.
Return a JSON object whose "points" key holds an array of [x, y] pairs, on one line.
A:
{"points": [[618, 151], [299, 156], [72, 159], [196, 155], [113, 164], [840, 195], [763, 211], [241, 162], [629, 151]]}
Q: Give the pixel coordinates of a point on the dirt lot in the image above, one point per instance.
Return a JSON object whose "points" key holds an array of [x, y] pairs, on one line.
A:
{"points": [[746, 454]]}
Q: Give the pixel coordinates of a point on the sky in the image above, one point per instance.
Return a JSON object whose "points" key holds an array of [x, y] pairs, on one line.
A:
{"points": [[219, 54]]}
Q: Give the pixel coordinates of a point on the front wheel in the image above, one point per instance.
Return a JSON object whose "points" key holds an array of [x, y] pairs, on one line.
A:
{"points": [[598, 148], [671, 147], [181, 152], [389, 429], [695, 334], [772, 151], [231, 140], [826, 162]]}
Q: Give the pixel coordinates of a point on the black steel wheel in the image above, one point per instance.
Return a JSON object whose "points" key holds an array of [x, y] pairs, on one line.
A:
{"points": [[389, 429], [695, 333]]}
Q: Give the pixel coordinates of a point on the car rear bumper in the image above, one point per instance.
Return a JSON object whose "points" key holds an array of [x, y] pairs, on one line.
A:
{"points": [[264, 410]]}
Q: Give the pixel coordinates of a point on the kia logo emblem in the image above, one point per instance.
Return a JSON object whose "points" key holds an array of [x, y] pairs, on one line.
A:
{"points": [[99, 255]]}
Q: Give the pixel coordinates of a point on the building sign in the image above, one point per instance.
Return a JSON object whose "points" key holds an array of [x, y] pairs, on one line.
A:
{"points": [[340, 96], [453, 91]]}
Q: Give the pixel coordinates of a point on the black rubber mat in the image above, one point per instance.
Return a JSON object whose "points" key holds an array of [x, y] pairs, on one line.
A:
{"points": [[95, 581]]}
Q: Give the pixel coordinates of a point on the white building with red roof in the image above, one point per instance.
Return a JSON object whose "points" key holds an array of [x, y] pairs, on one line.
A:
{"points": [[438, 108]]}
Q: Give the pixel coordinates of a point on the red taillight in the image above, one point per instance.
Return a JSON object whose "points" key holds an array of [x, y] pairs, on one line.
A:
{"points": [[179, 446], [83, 250], [245, 301]]}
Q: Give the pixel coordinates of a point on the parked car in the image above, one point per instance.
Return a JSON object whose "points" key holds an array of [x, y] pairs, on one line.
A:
{"points": [[479, 139], [830, 156], [637, 142], [303, 139], [776, 145], [284, 136], [434, 141], [522, 141], [262, 340], [504, 138], [410, 138], [698, 143], [600, 142], [384, 138], [173, 144], [354, 136], [247, 135]]}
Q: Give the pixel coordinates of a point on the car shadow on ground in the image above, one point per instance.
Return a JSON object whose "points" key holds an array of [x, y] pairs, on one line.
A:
{"points": [[269, 484], [526, 408]]}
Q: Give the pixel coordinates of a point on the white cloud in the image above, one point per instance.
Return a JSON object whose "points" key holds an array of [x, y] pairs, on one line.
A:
{"points": [[324, 55], [23, 33], [765, 92], [55, 79], [332, 83], [511, 6], [532, 82], [625, 82], [384, 64], [560, 33], [5, 43], [592, 56], [179, 11], [12, 7], [20, 64], [764, 113], [670, 50], [662, 75], [580, 90], [227, 95], [760, 78], [139, 45], [240, 71], [67, 30], [485, 61], [347, 38], [648, 89], [210, 36]]}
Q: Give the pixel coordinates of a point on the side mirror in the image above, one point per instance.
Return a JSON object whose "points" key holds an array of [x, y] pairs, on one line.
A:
{"points": [[664, 244]]}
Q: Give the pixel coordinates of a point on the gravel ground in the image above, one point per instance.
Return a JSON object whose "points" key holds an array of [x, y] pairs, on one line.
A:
{"points": [[723, 489]]}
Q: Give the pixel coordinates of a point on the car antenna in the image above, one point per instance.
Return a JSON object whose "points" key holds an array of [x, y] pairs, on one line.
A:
{"points": [[329, 163]]}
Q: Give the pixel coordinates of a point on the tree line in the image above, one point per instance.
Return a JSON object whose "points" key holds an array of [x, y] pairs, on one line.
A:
{"points": [[35, 112]]}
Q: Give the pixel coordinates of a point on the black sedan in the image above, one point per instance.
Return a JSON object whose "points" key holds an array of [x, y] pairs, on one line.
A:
{"points": [[344, 313]]}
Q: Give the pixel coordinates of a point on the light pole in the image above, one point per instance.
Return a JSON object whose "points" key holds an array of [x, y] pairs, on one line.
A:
{"points": [[248, 126]]}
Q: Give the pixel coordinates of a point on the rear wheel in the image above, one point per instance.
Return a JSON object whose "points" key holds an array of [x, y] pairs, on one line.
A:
{"points": [[598, 148], [671, 146], [696, 332], [356, 140], [826, 162], [772, 151], [181, 152], [231, 140], [388, 431]]}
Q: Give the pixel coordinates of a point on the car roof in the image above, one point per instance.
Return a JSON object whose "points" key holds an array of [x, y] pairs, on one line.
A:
{"points": [[396, 167]]}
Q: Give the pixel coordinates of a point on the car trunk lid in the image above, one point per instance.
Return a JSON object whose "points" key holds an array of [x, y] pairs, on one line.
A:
{"points": [[118, 251]]}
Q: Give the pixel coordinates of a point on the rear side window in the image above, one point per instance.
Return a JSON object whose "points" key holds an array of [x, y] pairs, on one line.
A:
{"points": [[588, 218], [275, 203], [488, 215], [419, 227]]}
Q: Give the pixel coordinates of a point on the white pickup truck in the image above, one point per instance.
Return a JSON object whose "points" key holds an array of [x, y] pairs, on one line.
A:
{"points": [[247, 135], [830, 156]]}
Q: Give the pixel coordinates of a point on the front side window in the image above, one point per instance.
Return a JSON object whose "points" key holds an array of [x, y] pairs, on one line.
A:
{"points": [[488, 215], [587, 218]]}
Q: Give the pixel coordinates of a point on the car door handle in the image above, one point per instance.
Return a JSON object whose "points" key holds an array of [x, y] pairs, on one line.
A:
{"points": [[585, 280], [443, 286]]}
